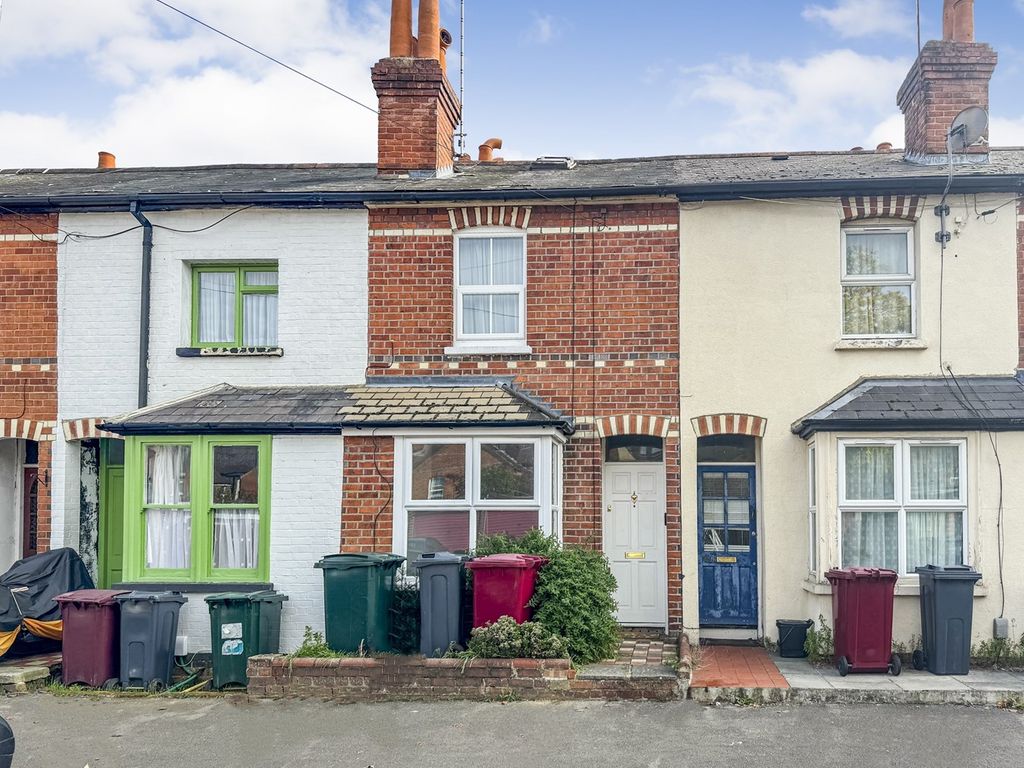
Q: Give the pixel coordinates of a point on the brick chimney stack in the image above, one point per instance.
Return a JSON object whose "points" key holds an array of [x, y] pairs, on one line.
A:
{"points": [[949, 75], [419, 108]]}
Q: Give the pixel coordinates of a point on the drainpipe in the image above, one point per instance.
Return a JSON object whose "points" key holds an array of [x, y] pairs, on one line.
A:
{"points": [[147, 268]]}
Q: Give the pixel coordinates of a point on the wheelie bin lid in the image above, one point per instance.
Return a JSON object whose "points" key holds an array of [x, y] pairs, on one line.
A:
{"points": [[507, 561], [260, 596], [347, 560], [853, 574], [91, 596], [140, 596], [958, 572], [438, 558]]}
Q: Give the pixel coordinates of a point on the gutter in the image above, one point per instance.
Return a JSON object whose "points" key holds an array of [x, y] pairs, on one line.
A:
{"points": [[263, 428], [807, 428], [147, 273], [684, 192]]}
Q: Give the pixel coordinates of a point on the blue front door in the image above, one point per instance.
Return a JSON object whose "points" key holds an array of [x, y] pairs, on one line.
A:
{"points": [[727, 527]]}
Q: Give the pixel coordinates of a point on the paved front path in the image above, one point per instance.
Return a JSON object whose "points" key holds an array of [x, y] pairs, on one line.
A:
{"points": [[726, 666], [207, 733]]}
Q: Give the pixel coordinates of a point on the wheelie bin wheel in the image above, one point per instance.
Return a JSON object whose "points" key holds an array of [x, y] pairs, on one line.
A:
{"points": [[111, 685], [156, 686], [918, 660], [843, 665], [895, 665]]}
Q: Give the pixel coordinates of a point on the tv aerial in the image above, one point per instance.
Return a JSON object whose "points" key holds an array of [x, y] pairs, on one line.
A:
{"points": [[969, 129]]}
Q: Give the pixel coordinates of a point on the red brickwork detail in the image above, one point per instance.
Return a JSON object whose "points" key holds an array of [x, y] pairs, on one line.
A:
{"points": [[28, 338], [602, 320], [881, 207], [729, 424], [366, 514]]}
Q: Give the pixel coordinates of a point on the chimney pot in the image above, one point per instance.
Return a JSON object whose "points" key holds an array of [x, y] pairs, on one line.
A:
{"points": [[429, 30], [958, 21], [885, 146], [401, 28], [106, 161], [487, 150]]}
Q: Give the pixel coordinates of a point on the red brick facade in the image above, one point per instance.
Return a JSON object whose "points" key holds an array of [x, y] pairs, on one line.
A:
{"points": [[28, 343], [602, 319]]}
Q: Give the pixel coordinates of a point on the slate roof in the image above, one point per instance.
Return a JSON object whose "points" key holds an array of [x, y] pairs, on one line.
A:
{"points": [[965, 402], [424, 402], [700, 176]]}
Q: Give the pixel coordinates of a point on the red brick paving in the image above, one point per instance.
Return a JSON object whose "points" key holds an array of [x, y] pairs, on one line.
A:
{"points": [[723, 666]]}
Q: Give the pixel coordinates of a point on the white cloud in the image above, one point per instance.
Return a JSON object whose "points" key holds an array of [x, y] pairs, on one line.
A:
{"points": [[182, 94], [544, 29], [832, 100], [863, 18], [1007, 132]]}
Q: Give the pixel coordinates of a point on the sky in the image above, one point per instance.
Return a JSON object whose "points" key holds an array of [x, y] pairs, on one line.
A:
{"points": [[585, 78]]}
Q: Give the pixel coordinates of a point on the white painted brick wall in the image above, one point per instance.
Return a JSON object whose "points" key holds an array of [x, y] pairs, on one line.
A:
{"points": [[305, 518]]}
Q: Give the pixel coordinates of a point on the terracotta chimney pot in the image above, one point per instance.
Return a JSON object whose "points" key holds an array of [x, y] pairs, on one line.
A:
{"points": [[885, 146], [958, 21], [429, 30], [106, 161], [487, 150], [401, 29]]}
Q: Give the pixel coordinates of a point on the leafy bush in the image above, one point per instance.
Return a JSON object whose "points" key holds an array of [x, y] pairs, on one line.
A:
{"points": [[819, 646], [314, 647], [405, 619], [533, 542], [504, 639]]}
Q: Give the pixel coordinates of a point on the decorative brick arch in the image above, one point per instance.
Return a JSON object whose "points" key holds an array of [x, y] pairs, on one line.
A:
{"points": [[27, 429], [85, 429], [517, 216], [633, 424], [881, 207], [729, 424]]}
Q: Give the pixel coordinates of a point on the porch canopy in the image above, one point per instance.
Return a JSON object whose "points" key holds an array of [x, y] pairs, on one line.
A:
{"points": [[989, 403], [382, 403]]}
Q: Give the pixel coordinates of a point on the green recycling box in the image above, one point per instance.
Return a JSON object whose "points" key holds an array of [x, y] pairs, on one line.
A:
{"points": [[242, 624], [358, 592]]}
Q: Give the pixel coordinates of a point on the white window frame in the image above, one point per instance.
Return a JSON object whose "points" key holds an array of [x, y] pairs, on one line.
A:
{"points": [[812, 510], [908, 279], [500, 340], [548, 516], [901, 490]]}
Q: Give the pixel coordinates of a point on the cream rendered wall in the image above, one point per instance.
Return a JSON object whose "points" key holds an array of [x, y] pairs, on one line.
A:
{"points": [[760, 321]]}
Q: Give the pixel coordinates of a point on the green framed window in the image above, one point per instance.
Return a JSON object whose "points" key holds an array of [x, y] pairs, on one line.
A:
{"points": [[198, 508], [234, 305]]}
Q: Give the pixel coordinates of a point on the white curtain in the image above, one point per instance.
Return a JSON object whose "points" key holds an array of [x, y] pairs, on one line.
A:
{"points": [[259, 320], [870, 539], [870, 473], [168, 531], [216, 307], [934, 472], [935, 538], [876, 254], [236, 538], [507, 261], [476, 313], [474, 261]]}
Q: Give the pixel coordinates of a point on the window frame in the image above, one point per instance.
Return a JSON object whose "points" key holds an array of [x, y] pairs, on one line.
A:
{"points": [[547, 514], [901, 487], [202, 508], [907, 279], [462, 339], [812, 509], [241, 291]]}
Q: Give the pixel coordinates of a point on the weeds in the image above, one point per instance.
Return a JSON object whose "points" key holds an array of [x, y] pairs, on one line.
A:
{"points": [[999, 653], [819, 646]]}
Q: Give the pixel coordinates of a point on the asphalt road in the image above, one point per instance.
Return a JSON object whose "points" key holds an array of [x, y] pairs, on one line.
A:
{"points": [[152, 733]]}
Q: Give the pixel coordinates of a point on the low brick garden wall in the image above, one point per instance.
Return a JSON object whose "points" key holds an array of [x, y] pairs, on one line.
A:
{"points": [[411, 678]]}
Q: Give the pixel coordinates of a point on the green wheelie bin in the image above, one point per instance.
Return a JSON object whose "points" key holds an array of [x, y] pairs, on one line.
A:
{"points": [[358, 592], [242, 624]]}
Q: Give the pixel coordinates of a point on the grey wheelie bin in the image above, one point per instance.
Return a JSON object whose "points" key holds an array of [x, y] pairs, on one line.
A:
{"points": [[947, 611], [149, 625], [441, 587], [358, 592]]}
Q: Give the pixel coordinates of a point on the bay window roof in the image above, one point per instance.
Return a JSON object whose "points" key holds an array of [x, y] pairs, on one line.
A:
{"points": [[990, 403]]}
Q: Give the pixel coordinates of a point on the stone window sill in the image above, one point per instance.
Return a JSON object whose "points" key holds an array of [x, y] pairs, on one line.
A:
{"points": [[463, 350], [194, 587], [229, 352], [854, 344], [907, 586]]}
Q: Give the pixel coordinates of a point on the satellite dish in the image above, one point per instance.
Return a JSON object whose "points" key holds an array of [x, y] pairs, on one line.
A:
{"points": [[968, 129]]}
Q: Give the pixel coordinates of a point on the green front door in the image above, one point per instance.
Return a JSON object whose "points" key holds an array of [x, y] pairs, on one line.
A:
{"points": [[111, 539]]}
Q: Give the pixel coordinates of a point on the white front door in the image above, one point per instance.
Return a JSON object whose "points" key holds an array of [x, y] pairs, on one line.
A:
{"points": [[634, 540]]}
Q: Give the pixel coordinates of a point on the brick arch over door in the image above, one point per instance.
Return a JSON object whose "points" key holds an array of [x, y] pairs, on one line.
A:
{"points": [[633, 424], [729, 424], [27, 429]]}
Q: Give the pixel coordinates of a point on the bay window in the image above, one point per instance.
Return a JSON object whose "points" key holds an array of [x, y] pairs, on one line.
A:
{"points": [[812, 507], [452, 491], [903, 503], [198, 508]]}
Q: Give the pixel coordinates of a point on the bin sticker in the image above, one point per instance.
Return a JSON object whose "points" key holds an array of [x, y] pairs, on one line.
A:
{"points": [[231, 631], [232, 648]]}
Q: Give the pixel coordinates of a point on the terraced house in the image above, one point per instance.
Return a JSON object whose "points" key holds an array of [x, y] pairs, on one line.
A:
{"points": [[730, 373]]}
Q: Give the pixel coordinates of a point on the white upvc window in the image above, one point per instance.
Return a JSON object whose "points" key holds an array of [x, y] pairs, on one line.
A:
{"points": [[812, 514], [879, 282], [452, 491], [903, 503], [490, 287]]}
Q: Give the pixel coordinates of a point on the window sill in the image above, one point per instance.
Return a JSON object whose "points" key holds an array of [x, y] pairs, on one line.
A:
{"points": [[907, 586], [229, 352], [511, 348], [194, 587], [854, 344]]}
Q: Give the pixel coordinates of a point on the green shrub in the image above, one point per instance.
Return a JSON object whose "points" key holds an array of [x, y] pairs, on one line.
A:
{"points": [[504, 639], [999, 653], [533, 542], [405, 619], [819, 646], [314, 647]]}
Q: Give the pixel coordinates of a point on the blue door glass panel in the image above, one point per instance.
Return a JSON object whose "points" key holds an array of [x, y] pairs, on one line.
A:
{"points": [[727, 546]]}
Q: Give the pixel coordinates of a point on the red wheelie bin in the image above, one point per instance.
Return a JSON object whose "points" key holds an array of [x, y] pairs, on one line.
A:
{"points": [[862, 619], [92, 635], [503, 586]]}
